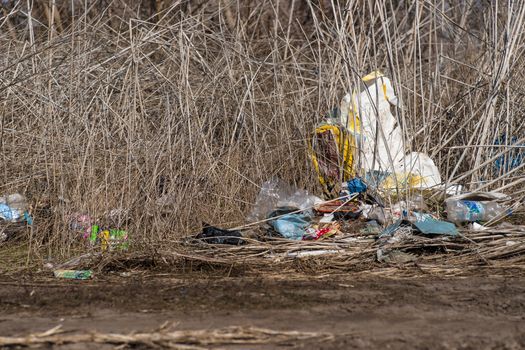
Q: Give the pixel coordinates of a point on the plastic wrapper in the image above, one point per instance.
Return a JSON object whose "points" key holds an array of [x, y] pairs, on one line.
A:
{"points": [[276, 193]]}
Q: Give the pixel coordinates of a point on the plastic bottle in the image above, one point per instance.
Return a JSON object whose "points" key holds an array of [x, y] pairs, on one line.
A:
{"points": [[461, 211], [13, 207]]}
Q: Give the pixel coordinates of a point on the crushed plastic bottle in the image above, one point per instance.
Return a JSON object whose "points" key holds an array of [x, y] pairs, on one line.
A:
{"points": [[13, 208], [462, 211]]}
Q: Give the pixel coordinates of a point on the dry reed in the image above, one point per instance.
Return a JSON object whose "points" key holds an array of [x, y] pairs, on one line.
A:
{"points": [[178, 111], [193, 339]]}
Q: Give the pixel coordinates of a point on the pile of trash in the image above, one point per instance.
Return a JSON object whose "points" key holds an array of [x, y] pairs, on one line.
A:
{"points": [[370, 184], [99, 235], [376, 194]]}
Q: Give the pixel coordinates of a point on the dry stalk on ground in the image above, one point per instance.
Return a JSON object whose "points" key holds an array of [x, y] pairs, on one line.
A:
{"points": [[199, 339]]}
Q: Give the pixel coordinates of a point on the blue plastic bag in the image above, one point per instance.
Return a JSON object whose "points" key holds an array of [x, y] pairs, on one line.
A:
{"points": [[291, 226], [356, 185], [7, 213]]}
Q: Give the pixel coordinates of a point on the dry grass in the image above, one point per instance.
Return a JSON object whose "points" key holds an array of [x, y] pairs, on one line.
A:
{"points": [[166, 339], [179, 111]]}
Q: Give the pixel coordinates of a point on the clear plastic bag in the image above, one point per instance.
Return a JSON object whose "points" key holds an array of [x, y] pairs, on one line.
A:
{"points": [[276, 193]]}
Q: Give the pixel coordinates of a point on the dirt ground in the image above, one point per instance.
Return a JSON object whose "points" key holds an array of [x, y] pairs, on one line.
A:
{"points": [[360, 311]]}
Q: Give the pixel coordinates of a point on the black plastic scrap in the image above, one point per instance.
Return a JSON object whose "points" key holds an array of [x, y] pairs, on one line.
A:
{"points": [[215, 235]]}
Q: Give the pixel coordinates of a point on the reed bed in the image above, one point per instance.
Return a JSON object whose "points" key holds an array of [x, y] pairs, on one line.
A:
{"points": [[178, 111]]}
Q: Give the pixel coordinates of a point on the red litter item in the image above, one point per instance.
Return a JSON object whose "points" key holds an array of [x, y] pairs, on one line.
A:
{"points": [[325, 231], [318, 234]]}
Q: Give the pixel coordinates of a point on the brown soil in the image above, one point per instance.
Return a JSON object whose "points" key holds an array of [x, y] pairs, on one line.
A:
{"points": [[475, 312]]}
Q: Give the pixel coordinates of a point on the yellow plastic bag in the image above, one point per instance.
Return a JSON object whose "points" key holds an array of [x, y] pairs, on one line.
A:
{"points": [[402, 180], [332, 155]]}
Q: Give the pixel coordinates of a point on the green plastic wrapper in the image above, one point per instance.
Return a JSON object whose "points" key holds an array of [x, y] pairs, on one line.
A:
{"points": [[74, 274], [109, 239]]}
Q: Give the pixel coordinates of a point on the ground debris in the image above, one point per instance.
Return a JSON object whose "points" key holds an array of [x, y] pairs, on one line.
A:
{"points": [[192, 339]]}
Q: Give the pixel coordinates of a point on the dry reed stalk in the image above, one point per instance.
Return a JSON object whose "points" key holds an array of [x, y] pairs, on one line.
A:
{"points": [[198, 339]]}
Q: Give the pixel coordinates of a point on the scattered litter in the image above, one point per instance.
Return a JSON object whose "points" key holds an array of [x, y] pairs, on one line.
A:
{"points": [[360, 159], [469, 211], [397, 233], [332, 156], [277, 193], [416, 171], [362, 112], [14, 208], [109, 239], [14, 216], [481, 196], [306, 253], [104, 235], [73, 263], [478, 227], [74, 274], [375, 212], [81, 223], [324, 232], [452, 190], [368, 117], [403, 208], [356, 185], [476, 207], [339, 206], [423, 223], [394, 234], [359, 155], [326, 219], [391, 229], [215, 235], [290, 225], [399, 210], [429, 225]]}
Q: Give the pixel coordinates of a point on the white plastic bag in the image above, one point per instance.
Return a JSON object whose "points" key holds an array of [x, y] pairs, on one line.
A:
{"points": [[425, 173], [368, 116]]}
